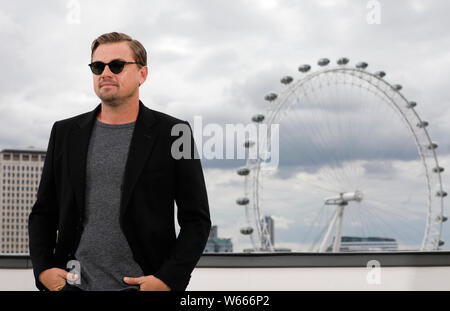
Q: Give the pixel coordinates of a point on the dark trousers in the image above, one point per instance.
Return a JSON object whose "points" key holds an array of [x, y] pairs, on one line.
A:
{"points": [[71, 288]]}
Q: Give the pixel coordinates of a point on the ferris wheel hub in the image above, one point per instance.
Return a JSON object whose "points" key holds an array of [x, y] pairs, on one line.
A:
{"points": [[344, 197]]}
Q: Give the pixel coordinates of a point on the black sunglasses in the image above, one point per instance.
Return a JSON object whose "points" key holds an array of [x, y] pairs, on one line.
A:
{"points": [[116, 66]]}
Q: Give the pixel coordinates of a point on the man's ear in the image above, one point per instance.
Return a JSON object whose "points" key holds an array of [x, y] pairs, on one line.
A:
{"points": [[144, 73]]}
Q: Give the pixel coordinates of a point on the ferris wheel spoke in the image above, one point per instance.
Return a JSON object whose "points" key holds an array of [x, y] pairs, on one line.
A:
{"points": [[316, 242], [382, 223], [406, 225], [396, 215], [329, 138], [313, 223], [397, 208]]}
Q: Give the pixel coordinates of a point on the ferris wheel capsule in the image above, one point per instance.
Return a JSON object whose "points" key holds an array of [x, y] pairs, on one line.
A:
{"points": [[323, 62], [441, 242], [432, 146], [258, 118], [441, 218], [343, 61], [422, 124], [397, 87], [441, 194], [244, 171], [304, 68], [411, 105], [249, 143], [246, 230], [243, 201], [271, 97], [286, 80], [380, 74], [362, 65], [438, 169]]}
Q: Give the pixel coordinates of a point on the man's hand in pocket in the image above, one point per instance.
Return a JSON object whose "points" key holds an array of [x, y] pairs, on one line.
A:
{"points": [[55, 278]]}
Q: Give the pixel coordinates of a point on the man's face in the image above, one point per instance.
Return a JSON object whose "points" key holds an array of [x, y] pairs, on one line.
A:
{"points": [[113, 88]]}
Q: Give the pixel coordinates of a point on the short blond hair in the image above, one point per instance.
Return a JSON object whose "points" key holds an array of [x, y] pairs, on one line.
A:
{"points": [[139, 52]]}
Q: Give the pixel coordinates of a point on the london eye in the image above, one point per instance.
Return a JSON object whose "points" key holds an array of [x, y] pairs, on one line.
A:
{"points": [[356, 160]]}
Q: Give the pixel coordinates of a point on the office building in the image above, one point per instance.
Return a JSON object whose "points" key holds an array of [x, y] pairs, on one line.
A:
{"points": [[366, 244], [268, 222], [216, 244], [20, 174]]}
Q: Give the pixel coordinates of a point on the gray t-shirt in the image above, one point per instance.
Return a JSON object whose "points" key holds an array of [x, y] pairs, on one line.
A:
{"points": [[104, 254]]}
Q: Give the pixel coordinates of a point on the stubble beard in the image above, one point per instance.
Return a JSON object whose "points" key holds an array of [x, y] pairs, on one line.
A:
{"points": [[114, 100]]}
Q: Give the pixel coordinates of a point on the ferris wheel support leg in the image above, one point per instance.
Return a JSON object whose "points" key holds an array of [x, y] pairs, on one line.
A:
{"points": [[337, 239], [326, 239]]}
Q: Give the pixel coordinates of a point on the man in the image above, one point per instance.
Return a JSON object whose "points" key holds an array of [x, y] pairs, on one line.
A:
{"points": [[108, 186]]}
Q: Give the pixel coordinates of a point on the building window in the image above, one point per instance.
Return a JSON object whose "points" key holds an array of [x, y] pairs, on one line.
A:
{"points": [[16, 157], [6, 157]]}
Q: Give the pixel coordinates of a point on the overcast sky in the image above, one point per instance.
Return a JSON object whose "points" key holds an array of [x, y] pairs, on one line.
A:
{"points": [[217, 60]]}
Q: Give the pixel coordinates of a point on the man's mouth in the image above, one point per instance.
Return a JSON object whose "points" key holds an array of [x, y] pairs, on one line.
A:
{"points": [[107, 84]]}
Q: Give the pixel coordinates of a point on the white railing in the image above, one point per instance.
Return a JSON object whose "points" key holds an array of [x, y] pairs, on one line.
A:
{"points": [[288, 272], [285, 279]]}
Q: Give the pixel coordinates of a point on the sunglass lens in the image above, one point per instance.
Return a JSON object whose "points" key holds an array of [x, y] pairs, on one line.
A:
{"points": [[97, 68], [116, 66]]}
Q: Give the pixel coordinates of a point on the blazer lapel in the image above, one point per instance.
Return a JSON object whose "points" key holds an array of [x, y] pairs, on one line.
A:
{"points": [[77, 153], [141, 146]]}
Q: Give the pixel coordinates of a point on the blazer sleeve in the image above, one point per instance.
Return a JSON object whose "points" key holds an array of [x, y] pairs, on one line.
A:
{"points": [[194, 220], [43, 219]]}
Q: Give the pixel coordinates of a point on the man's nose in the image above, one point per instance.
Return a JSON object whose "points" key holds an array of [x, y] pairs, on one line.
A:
{"points": [[106, 72]]}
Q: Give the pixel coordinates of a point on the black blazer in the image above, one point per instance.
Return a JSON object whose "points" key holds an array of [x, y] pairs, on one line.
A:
{"points": [[153, 180]]}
